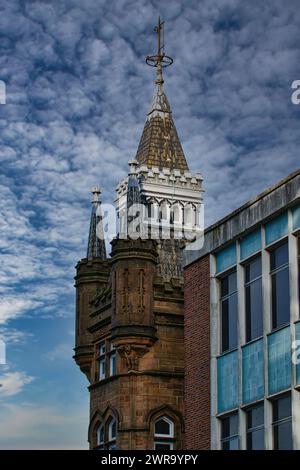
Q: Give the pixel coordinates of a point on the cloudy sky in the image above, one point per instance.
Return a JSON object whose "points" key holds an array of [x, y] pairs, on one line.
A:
{"points": [[77, 95]]}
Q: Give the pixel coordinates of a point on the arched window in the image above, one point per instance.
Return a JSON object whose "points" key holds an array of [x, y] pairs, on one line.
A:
{"points": [[164, 433], [100, 437], [188, 215], [176, 212], [112, 433], [105, 434], [164, 211]]}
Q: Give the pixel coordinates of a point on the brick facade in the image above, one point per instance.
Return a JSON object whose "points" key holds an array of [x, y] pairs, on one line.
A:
{"points": [[197, 354]]}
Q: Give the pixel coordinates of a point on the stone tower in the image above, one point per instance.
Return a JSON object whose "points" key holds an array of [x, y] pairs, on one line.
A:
{"points": [[129, 306]]}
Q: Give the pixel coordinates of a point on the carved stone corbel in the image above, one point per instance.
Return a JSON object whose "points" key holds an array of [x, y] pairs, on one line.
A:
{"points": [[132, 354]]}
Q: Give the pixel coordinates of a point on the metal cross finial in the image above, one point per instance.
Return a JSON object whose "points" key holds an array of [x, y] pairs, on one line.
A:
{"points": [[159, 60], [158, 30]]}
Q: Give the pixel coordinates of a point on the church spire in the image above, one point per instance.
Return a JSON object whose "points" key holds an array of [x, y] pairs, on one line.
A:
{"points": [[96, 243], [160, 145]]}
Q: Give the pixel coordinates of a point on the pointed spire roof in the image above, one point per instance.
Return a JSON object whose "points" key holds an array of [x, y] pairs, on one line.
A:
{"points": [[96, 244], [160, 145]]}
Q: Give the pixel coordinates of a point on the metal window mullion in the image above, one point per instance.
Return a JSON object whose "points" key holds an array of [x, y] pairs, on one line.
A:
{"points": [[252, 281], [257, 428], [227, 296], [280, 268], [283, 420]]}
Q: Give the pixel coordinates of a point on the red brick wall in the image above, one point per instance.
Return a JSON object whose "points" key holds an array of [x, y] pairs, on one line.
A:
{"points": [[197, 354]]}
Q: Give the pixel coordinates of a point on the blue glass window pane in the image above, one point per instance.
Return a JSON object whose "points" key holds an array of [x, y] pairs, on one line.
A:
{"points": [[230, 426], [229, 323], [256, 440], [277, 228], [283, 436], [228, 284], [296, 217], [280, 298], [226, 258], [297, 353], [228, 382], [231, 444], [279, 360], [253, 371], [250, 244]]}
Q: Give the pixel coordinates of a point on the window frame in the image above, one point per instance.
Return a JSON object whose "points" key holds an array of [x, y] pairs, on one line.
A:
{"points": [[248, 284], [171, 427], [106, 354], [109, 440], [112, 360], [223, 298], [298, 269], [100, 443], [102, 359], [170, 444], [233, 436], [287, 419], [166, 439], [250, 431], [273, 272]]}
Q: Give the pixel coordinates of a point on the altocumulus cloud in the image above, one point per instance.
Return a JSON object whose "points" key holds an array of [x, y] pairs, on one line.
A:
{"points": [[77, 95], [12, 383]]}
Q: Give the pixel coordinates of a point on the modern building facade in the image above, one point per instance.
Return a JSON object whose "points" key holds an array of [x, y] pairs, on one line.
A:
{"points": [[242, 324], [129, 306]]}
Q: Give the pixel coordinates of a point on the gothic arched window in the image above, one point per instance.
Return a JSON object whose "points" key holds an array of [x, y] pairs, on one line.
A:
{"points": [[100, 437], [164, 433], [105, 434], [112, 433]]}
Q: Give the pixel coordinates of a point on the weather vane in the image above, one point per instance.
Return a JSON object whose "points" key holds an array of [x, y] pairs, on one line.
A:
{"points": [[160, 59]]}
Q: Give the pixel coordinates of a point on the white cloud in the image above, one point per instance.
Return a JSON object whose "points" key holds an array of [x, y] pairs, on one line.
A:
{"points": [[14, 336], [12, 307], [77, 96], [13, 383]]}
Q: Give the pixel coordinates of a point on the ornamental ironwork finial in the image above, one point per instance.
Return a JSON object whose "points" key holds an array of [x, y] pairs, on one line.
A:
{"points": [[160, 59]]}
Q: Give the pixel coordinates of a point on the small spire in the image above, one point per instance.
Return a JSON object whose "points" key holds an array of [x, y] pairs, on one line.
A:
{"points": [[159, 144], [96, 244], [133, 192], [96, 191], [133, 164]]}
